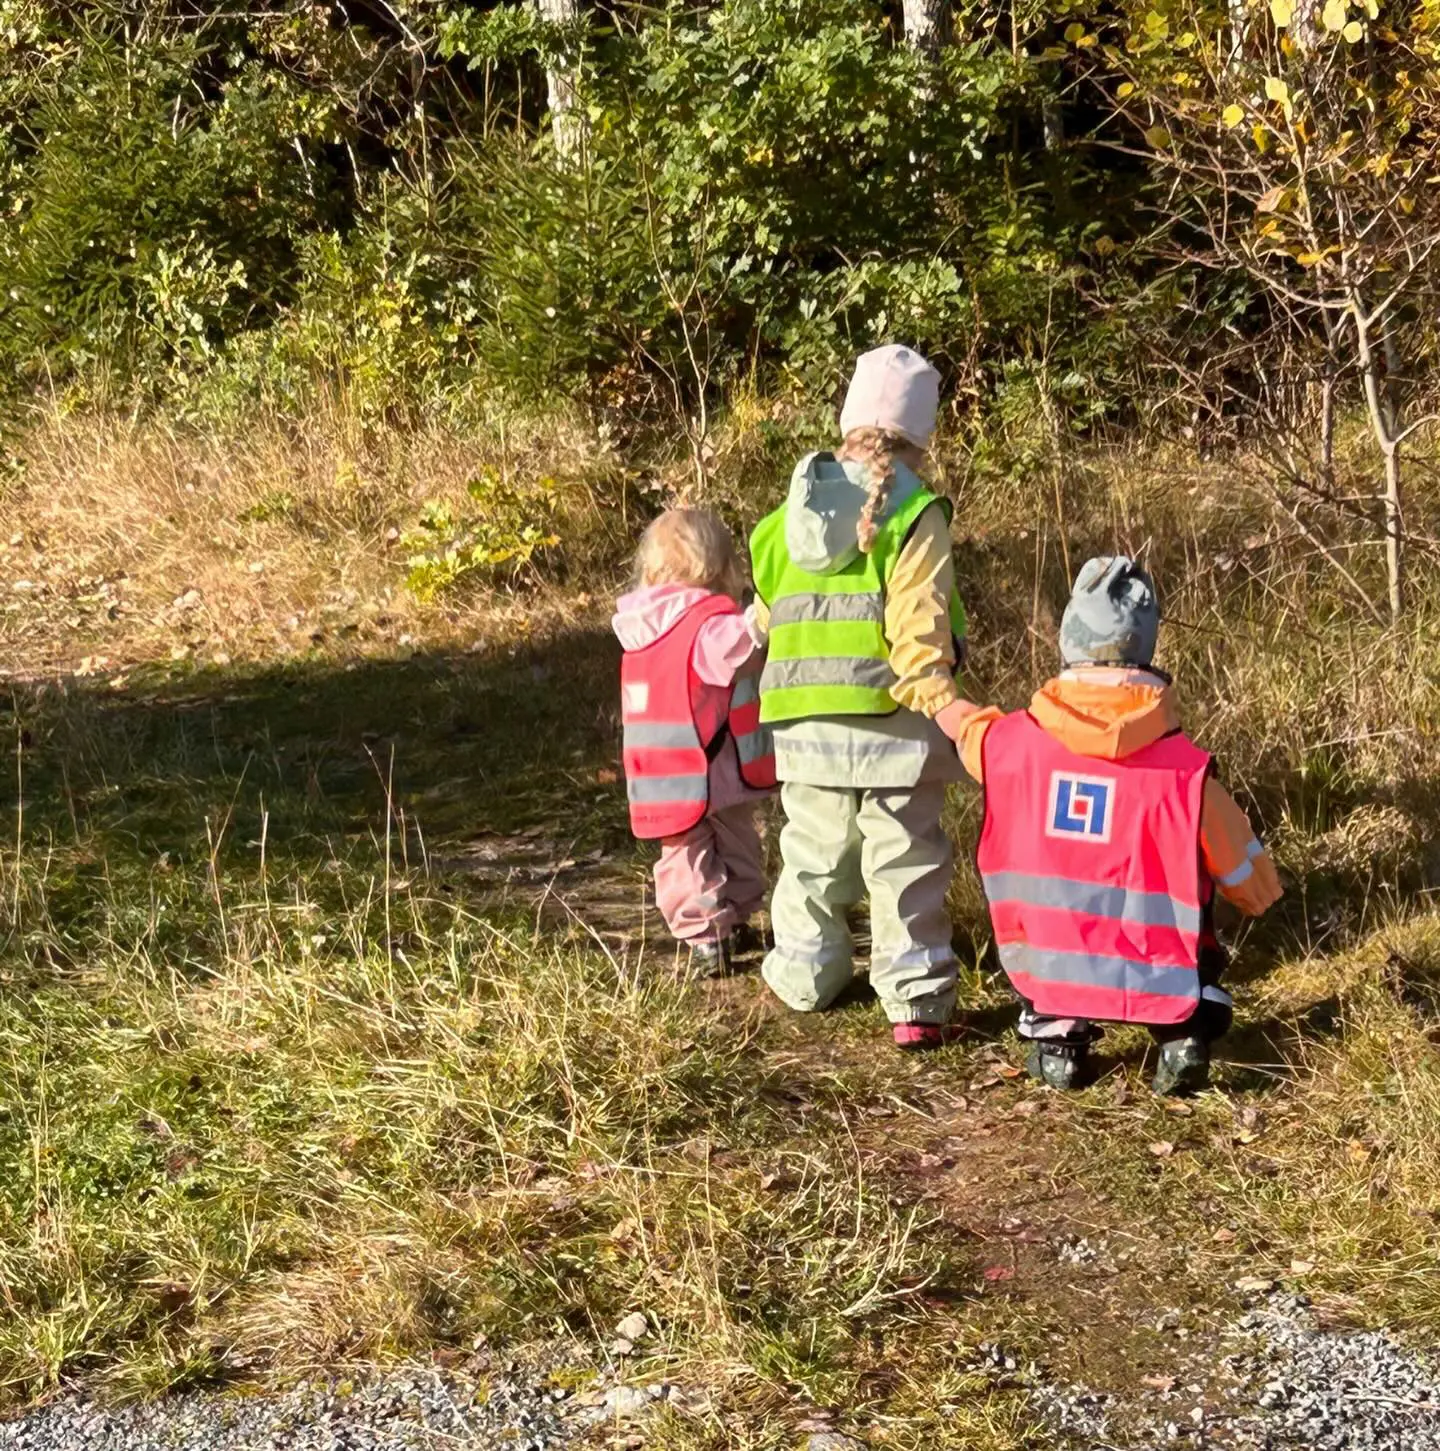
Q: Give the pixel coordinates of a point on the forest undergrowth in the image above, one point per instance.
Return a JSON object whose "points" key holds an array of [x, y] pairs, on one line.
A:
{"points": [[292, 1083]]}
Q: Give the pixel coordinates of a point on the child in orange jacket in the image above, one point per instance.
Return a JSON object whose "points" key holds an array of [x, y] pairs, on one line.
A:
{"points": [[1101, 876]]}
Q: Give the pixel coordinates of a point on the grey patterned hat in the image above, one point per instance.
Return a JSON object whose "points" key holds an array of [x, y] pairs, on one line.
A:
{"points": [[1112, 617]]}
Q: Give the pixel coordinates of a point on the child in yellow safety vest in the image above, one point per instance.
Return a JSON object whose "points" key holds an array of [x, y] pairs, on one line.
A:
{"points": [[697, 761], [856, 586]]}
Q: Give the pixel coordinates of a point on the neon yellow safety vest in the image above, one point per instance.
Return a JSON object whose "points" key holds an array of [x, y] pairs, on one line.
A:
{"points": [[828, 653]]}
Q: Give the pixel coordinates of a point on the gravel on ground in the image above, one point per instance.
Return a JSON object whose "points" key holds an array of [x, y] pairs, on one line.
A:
{"points": [[1275, 1381]]}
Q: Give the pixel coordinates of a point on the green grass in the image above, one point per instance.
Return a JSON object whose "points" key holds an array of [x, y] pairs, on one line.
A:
{"points": [[290, 1082]]}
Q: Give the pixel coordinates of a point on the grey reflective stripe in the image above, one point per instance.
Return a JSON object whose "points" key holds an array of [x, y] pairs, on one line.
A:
{"points": [[752, 745], [1217, 995], [805, 609], [828, 670], [1148, 909], [677, 737], [646, 790], [1094, 970], [746, 692]]}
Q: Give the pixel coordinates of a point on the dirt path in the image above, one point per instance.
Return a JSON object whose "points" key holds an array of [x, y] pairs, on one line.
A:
{"points": [[1126, 1329]]}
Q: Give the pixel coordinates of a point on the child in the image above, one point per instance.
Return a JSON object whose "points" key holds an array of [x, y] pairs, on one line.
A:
{"points": [[1106, 836], [857, 586], [697, 760]]}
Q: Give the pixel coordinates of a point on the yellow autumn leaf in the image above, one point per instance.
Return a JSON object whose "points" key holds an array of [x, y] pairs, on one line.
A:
{"points": [[1075, 30], [1332, 17], [1372, 9], [1233, 115], [1310, 259], [1280, 13], [1158, 137], [1086, 41], [1124, 89], [1353, 31], [1276, 89], [1261, 137]]}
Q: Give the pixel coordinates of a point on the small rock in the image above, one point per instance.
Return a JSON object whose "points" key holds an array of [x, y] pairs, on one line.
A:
{"points": [[633, 1327], [627, 1400], [833, 1441]]}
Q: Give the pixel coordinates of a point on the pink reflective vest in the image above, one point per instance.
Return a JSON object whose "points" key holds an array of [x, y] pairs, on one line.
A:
{"points": [[673, 722], [1093, 872]]}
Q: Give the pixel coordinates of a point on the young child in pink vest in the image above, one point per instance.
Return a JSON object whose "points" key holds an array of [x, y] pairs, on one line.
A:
{"points": [[1106, 840], [697, 761]]}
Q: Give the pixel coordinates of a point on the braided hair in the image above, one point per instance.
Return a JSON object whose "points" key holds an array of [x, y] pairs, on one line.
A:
{"points": [[877, 449]]}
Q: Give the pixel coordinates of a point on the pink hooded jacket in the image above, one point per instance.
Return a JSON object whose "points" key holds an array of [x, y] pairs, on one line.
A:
{"points": [[724, 646]]}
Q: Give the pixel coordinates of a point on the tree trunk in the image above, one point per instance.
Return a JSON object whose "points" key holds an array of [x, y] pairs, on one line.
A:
{"points": [[927, 26], [1239, 29], [1394, 530], [1384, 428], [562, 77]]}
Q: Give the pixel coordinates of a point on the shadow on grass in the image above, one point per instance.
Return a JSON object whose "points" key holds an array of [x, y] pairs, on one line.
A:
{"points": [[303, 769]]}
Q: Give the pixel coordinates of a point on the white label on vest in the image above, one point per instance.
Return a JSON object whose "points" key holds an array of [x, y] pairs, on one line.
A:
{"points": [[1080, 807], [637, 697]]}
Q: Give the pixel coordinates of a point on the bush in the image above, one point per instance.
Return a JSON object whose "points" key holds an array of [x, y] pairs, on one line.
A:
{"points": [[499, 541]]}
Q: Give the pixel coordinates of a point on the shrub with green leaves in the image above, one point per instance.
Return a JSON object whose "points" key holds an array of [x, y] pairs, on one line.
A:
{"points": [[499, 540]]}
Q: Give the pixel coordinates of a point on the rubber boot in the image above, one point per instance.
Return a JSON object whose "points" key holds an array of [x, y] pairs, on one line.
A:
{"points": [[1064, 1066], [1184, 1067]]}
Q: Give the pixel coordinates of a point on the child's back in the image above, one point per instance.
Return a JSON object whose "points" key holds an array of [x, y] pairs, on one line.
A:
{"points": [[1106, 839]]}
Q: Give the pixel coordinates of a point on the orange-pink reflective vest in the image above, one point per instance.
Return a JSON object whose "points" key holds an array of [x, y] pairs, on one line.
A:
{"points": [[674, 722], [1092, 868]]}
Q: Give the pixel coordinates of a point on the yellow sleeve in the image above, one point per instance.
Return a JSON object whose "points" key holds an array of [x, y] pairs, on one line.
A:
{"points": [[972, 740], [917, 617]]}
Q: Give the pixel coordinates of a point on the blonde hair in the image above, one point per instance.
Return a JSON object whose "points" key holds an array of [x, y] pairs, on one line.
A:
{"points": [[877, 449], [689, 546]]}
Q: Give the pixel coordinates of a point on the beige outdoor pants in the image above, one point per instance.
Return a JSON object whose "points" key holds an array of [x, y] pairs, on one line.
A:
{"points": [[839, 845]]}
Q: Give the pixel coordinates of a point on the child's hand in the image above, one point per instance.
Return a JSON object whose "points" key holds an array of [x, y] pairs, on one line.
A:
{"points": [[952, 719], [757, 621]]}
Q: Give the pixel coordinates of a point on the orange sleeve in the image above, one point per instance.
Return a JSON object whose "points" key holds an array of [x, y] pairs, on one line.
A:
{"points": [[972, 740], [1240, 865]]}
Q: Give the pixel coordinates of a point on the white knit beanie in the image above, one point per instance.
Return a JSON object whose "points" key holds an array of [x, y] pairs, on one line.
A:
{"points": [[893, 388]]}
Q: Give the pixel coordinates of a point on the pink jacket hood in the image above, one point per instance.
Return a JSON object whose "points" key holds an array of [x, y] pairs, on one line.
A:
{"points": [[643, 615]]}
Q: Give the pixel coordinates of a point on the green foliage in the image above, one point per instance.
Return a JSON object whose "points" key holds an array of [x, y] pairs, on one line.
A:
{"points": [[278, 212], [498, 540]]}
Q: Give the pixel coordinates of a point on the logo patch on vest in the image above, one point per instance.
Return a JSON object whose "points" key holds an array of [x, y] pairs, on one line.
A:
{"points": [[1080, 807]]}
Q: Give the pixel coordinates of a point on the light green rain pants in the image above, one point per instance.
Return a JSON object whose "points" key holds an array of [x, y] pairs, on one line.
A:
{"points": [[863, 797]]}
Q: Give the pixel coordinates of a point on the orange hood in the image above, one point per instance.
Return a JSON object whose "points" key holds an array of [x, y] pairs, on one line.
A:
{"points": [[1109, 713]]}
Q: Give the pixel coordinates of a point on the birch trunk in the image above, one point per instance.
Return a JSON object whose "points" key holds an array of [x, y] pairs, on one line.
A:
{"points": [[562, 81], [927, 24]]}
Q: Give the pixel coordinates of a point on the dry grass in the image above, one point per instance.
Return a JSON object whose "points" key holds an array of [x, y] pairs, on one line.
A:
{"points": [[130, 541], [282, 1095]]}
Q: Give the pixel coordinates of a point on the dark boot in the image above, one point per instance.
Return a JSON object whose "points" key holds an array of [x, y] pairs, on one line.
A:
{"points": [[1064, 1066], [748, 940], [1184, 1067]]}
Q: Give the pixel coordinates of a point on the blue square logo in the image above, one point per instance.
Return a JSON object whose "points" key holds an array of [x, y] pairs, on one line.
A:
{"points": [[1080, 807]]}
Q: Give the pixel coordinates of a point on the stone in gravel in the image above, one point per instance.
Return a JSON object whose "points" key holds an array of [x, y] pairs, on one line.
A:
{"points": [[633, 1327], [627, 1400], [833, 1441]]}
